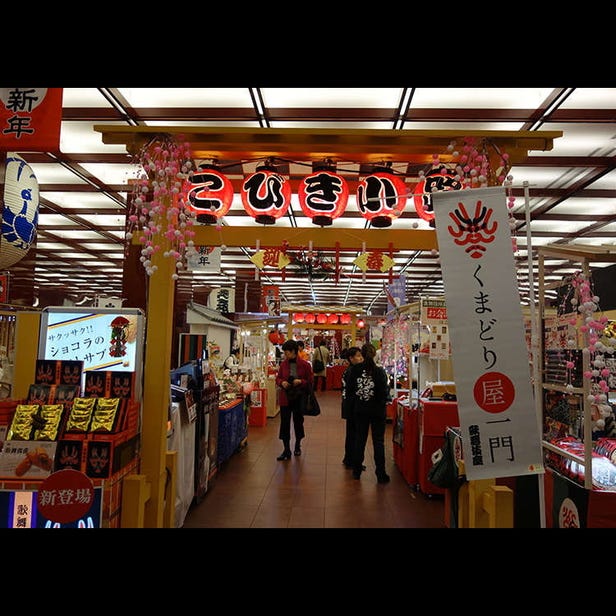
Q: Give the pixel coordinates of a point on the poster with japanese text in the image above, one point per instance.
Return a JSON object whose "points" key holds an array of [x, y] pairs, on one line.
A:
{"points": [[498, 419]]}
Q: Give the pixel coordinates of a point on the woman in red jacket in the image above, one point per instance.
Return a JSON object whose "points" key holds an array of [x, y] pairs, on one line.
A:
{"points": [[293, 380]]}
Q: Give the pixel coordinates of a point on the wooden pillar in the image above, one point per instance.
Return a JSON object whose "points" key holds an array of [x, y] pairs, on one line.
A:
{"points": [[156, 385]]}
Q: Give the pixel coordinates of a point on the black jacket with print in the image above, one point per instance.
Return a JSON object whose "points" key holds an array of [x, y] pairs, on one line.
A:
{"points": [[367, 391]]}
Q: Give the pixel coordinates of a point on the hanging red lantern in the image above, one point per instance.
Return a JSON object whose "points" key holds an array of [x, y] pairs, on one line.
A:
{"points": [[437, 179], [332, 318], [210, 194], [345, 318], [323, 195], [321, 318], [266, 195], [298, 317], [360, 324], [310, 318], [381, 197]]}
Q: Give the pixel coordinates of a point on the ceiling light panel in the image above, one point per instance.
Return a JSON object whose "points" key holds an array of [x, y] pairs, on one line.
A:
{"points": [[187, 97], [84, 97], [332, 97], [79, 137], [480, 98]]}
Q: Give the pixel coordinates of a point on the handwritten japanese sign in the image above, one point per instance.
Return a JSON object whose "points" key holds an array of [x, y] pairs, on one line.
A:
{"points": [[204, 259], [500, 432], [30, 119]]}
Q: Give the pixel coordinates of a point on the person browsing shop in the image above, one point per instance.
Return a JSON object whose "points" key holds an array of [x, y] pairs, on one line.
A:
{"points": [[368, 392], [302, 350], [233, 361], [320, 354], [354, 357], [293, 379]]}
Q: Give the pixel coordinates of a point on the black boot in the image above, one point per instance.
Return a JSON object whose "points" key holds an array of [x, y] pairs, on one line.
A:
{"points": [[286, 454], [298, 449]]}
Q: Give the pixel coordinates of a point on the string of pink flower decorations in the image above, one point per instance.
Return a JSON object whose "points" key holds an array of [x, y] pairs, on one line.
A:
{"points": [[597, 330], [159, 204]]}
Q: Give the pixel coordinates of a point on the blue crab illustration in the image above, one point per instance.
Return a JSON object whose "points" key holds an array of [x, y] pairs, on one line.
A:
{"points": [[17, 226]]}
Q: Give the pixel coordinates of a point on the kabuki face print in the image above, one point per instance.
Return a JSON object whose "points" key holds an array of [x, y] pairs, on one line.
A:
{"points": [[473, 231]]}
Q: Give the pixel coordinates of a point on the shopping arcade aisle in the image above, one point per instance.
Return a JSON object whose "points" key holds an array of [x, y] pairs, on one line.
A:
{"points": [[254, 490]]}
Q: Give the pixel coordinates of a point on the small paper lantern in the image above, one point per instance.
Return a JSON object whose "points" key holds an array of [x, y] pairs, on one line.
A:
{"points": [[345, 318], [360, 324], [435, 180], [321, 318], [276, 337], [332, 318], [210, 194], [323, 195], [310, 318], [20, 211], [298, 317], [381, 197], [266, 195]]}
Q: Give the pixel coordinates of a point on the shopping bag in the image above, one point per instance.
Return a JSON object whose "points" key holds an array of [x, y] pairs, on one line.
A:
{"points": [[311, 404]]}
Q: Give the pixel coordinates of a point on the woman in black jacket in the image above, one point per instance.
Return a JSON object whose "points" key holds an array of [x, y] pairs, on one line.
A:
{"points": [[368, 389]]}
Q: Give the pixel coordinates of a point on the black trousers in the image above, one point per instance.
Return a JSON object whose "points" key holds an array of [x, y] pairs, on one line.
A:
{"points": [[286, 414], [376, 425], [349, 441]]}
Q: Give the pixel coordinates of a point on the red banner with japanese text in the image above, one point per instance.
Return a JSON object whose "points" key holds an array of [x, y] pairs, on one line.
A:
{"points": [[270, 299], [496, 408], [30, 119]]}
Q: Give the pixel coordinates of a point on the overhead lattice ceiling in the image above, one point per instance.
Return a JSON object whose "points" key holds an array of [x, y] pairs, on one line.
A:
{"points": [[84, 189]]}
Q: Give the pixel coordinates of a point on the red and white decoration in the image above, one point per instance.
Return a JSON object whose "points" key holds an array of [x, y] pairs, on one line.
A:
{"points": [[323, 195], [266, 195], [435, 180], [210, 194], [381, 197]]}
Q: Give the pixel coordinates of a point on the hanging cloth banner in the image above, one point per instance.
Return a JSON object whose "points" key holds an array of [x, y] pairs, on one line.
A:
{"points": [[375, 260], [30, 119], [500, 431], [272, 257]]}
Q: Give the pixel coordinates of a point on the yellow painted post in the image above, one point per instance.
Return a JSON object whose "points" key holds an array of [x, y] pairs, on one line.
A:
{"points": [[477, 517], [156, 384], [27, 325], [172, 466], [135, 495], [498, 504], [463, 521]]}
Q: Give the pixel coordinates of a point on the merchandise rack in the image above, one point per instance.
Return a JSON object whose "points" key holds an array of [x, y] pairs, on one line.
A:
{"points": [[583, 255]]}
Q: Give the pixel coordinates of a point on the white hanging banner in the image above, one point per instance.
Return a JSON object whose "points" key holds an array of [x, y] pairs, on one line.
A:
{"points": [[500, 433], [204, 259]]}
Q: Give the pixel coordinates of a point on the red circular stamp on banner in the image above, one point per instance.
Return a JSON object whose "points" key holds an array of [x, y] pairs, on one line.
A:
{"points": [[65, 496], [494, 392]]}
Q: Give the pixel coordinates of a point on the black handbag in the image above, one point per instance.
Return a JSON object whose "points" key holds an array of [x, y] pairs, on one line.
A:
{"points": [[317, 364], [444, 470], [310, 404]]}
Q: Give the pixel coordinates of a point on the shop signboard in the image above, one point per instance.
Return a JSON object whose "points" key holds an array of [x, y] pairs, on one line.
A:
{"points": [[500, 431]]}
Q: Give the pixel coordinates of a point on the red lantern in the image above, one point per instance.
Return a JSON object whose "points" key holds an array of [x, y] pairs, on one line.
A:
{"points": [[266, 195], [332, 318], [360, 324], [210, 194], [381, 197], [345, 318], [310, 318], [323, 195], [298, 317], [321, 318], [437, 179]]}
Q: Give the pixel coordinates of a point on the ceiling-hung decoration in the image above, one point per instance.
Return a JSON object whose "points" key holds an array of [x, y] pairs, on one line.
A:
{"points": [[270, 257], [266, 194], [210, 194], [323, 195], [20, 211], [374, 260], [436, 179], [160, 208], [381, 197]]}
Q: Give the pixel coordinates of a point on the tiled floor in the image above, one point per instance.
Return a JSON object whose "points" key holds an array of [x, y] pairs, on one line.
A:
{"points": [[254, 490]]}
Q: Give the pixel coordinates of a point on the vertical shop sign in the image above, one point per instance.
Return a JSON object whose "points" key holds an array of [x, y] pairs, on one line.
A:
{"points": [[4, 288], [30, 119], [396, 294], [270, 300], [500, 432]]}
